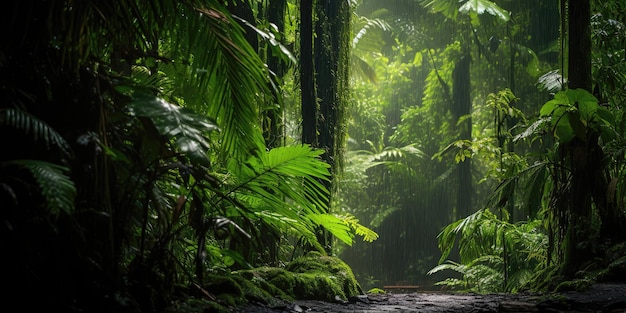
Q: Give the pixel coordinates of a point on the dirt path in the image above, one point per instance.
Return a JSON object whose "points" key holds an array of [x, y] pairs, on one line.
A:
{"points": [[609, 298]]}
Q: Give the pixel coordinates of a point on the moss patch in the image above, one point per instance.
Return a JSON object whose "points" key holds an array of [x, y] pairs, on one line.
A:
{"points": [[313, 276], [323, 277], [574, 285]]}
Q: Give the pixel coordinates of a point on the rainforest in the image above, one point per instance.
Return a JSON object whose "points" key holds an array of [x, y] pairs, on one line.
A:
{"points": [[201, 155]]}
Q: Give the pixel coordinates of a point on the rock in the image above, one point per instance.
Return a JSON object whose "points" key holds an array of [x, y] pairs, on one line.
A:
{"points": [[359, 298], [517, 307]]}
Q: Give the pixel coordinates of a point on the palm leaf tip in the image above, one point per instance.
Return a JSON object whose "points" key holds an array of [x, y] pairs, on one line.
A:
{"points": [[57, 188]]}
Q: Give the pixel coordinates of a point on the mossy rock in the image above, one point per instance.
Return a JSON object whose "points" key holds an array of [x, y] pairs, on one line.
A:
{"points": [[313, 276], [257, 288], [323, 277], [545, 280], [233, 289], [574, 285], [225, 287], [616, 271], [277, 281]]}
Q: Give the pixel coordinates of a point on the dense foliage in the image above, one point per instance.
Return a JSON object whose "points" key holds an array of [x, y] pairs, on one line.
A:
{"points": [[139, 167], [538, 147], [159, 150]]}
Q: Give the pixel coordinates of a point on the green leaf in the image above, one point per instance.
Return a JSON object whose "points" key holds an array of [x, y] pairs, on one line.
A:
{"points": [[563, 130], [188, 130], [286, 181], [269, 37], [548, 108], [449, 265], [535, 186], [38, 130], [605, 115], [446, 7], [417, 60], [447, 238], [576, 124], [56, 187], [551, 81], [360, 230], [335, 225], [230, 257], [581, 96], [485, 6]]}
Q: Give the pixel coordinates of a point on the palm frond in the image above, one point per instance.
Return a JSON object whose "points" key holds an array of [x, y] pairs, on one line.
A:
{"points": [[335, 225], [367, 38], [551, 81], [40, 132], [287, 182], [220, 75], [449, 265], [55, 186]]}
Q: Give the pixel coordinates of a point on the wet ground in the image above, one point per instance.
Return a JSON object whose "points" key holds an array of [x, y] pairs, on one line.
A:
{"points": [[605, 298]]}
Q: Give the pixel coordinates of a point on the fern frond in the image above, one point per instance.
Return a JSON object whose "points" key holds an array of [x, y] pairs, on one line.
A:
{"points": [[360, 230], [449, 265]]}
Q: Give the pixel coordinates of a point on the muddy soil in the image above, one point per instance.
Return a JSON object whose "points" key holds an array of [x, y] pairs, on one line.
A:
{"points": [[605, 298]]}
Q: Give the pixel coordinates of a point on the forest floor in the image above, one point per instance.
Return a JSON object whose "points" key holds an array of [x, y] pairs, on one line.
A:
{"points": [[603, 298]]}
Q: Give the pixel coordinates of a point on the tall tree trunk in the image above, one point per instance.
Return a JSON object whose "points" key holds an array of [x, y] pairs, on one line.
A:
{"points": [[307, 74], [576, 249], [324, 80], [273, 119], [462, 107], [590, 180], [579, 38], [272, 122]]}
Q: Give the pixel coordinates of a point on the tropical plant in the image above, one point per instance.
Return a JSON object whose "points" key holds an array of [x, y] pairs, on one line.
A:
{"points": [[146, 167], [485, 265]]}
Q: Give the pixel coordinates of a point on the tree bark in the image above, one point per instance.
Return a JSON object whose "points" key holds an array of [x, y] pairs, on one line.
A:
{"points": [[273, 117], [579, 37], [577, 249], [462, 107], [307, 74]]}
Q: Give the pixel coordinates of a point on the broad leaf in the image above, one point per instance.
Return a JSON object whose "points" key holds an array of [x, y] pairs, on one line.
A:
{"points": [[563, 130], [187, 130], [551, 81], [485, 6], [336, 226]]}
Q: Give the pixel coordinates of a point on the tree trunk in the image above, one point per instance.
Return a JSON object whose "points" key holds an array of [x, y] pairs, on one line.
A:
{"points": [[272, 122], [323, 80], [579, 38], [576, 248], [462, 107], [273, 119], [307, 83]]}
